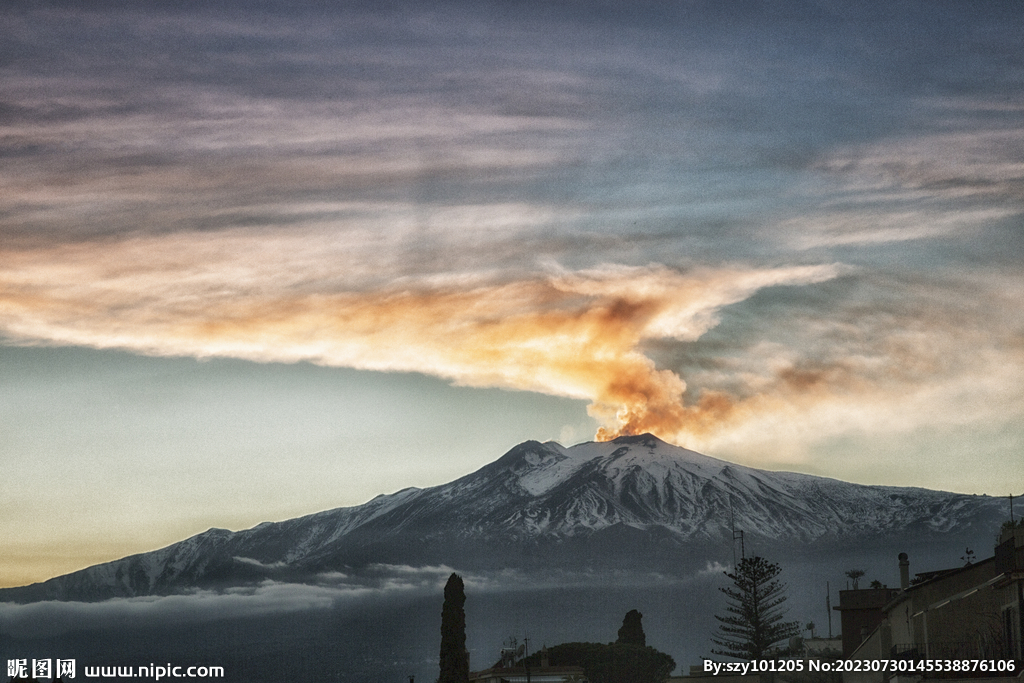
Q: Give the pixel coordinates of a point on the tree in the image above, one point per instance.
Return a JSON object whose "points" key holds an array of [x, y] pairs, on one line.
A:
{"points": [[632, 631], [754, 623], [854, 575], [454, 665]]}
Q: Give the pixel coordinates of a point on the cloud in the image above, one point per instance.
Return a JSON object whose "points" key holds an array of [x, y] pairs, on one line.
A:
{"points": [[714, 569], [874, 356], [953, 185], [566, 333], [373, 189], [877, 227], [325, 591], [639, 343], [975, 162], [42, 619], [260, 565]]}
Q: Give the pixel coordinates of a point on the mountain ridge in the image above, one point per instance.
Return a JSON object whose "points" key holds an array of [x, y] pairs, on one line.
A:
{"points": [[597, 504]]}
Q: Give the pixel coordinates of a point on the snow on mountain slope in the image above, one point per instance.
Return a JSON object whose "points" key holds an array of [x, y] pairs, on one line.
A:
{"points": [[536, 501]]}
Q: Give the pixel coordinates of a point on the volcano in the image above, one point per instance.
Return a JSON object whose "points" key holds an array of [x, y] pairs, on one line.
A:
{"points": [[632, 503]]}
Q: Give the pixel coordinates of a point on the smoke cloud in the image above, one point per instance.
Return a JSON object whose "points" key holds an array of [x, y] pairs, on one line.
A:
{"points": [[567, 333]]}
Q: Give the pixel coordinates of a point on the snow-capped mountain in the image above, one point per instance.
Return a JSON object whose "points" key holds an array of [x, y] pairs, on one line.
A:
{"points": [[634, 500]]}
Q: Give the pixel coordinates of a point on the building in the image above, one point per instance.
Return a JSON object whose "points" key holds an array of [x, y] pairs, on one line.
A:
{"points": [[518, 674], [972, 612], [861, 611], [698, 672], [508, 672], [817, 648]]}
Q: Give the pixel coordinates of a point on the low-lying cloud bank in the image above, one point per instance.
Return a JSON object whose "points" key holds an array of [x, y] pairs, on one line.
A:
{"points": [[331, 590]]}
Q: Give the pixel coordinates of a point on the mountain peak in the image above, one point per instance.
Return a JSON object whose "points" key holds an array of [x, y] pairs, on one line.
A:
{"points": [[645, 439]]}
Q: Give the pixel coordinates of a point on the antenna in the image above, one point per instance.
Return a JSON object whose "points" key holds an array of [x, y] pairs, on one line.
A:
{"points": [[512, 652]]}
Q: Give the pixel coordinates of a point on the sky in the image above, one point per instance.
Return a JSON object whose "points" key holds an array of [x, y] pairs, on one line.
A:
{"points": [[262, 259]]}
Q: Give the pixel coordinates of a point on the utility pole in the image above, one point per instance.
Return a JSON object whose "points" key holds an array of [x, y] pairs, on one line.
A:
{"points": [[732, 528], [735, 535], [828, 607], [526, 653]]}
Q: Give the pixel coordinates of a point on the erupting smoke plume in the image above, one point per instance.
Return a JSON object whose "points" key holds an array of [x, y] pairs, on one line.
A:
{"points": [[574, 334]]}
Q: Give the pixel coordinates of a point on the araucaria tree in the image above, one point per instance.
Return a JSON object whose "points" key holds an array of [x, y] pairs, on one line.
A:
{"points": [[454, 665], [754, 620]]}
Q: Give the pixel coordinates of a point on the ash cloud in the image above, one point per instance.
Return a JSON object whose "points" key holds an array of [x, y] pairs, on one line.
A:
{"points": [[574, 334]]}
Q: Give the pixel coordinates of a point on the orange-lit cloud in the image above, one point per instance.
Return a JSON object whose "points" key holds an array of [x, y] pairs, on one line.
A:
{"points": [[575, 334]]}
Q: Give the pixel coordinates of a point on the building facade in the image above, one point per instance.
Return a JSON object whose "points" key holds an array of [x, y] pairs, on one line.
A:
{"points": [[973, 612]]}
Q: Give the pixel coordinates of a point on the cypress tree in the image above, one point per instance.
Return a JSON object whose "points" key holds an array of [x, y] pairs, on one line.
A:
{"points": [[632, 631], [454, 665]]}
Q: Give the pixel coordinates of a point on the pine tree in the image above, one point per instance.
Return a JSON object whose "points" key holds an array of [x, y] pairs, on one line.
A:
{"points": [[632, 631], [754, 623], [454, 665]]}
